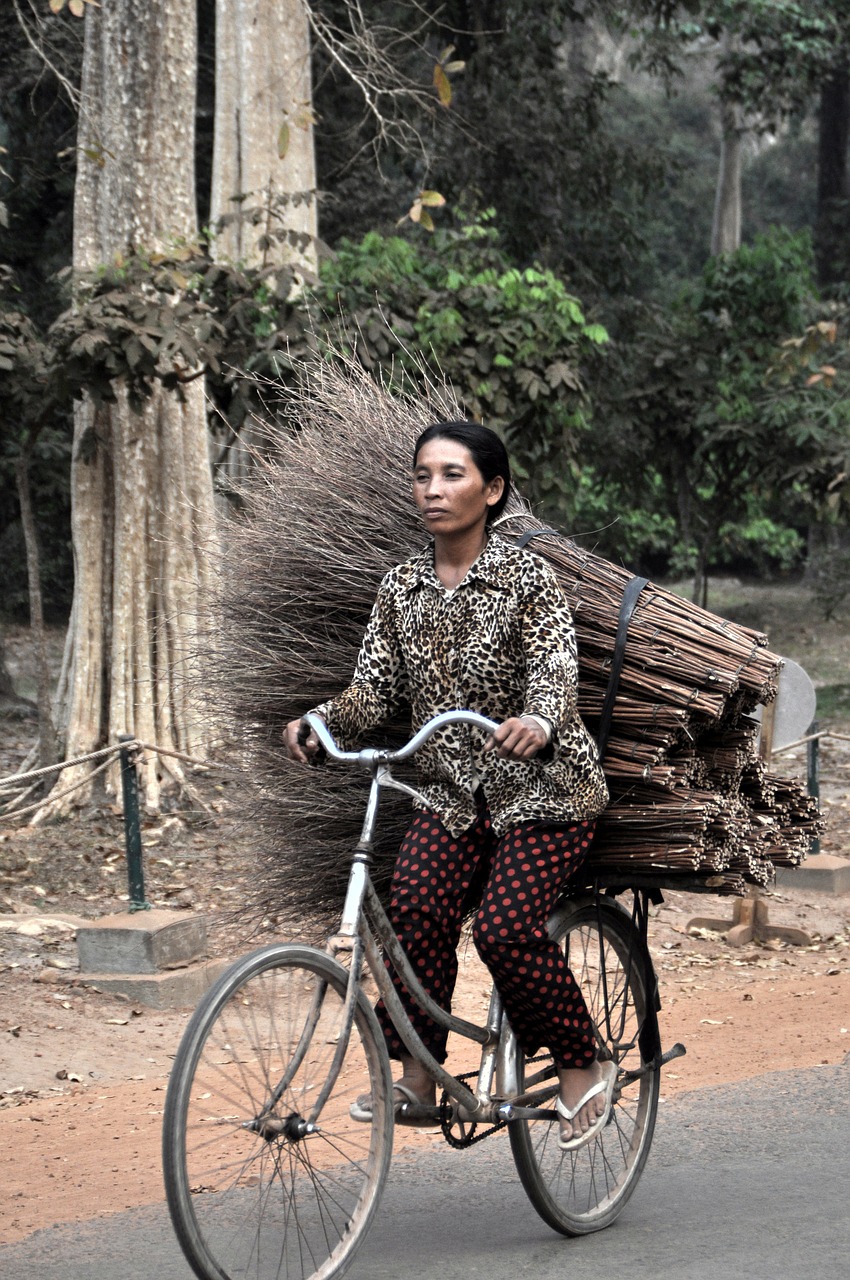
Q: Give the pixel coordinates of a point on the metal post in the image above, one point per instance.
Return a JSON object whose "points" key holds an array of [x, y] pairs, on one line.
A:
{"points": [[132, 826], [813, 772]]}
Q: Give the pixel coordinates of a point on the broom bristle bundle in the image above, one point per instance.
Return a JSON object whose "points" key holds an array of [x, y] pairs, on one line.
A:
{"points": [[326, 514]]}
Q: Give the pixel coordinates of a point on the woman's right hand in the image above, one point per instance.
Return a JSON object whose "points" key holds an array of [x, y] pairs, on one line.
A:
{"points": [[300, 744]]}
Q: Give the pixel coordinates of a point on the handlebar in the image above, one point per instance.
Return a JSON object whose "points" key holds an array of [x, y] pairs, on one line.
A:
{"points": [[368, 754]]}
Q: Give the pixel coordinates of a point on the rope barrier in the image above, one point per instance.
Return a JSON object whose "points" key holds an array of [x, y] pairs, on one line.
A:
{"points": [[180, 755], [812, 737], [113, 751], [31, 808], [55, 768]]}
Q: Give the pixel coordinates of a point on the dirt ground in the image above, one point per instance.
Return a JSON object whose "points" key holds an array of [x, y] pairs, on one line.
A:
{"points": [[83, 1073]]}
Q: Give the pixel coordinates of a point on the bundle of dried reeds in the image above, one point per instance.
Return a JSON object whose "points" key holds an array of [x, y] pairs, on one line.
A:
{"points": [[325, 515]]}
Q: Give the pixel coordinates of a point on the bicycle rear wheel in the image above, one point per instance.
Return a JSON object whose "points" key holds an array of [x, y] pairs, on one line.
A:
{"points": [[577, 1192], [253, 1192]]}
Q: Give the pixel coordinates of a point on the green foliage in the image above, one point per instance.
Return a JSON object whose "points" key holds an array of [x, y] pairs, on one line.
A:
{"points": [[760, 541], [780, 182], [705, 408], [164, 319], [619, 524], [23, 360], [755, 295], [530, 133], [786, 51], [137, 321], [600, 193], [779, 54], [513, 342]]}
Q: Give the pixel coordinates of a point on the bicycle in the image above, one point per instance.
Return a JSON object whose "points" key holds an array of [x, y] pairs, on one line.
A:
{"points": [[267, 1174]]}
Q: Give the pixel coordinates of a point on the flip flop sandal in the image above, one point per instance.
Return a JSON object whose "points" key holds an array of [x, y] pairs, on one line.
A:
{"points": [[606, 1086], [362, 1109]]}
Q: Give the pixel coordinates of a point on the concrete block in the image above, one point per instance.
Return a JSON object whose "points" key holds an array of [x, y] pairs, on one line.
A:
{"points": [[175, 989], [141, 942], [822, 871]]}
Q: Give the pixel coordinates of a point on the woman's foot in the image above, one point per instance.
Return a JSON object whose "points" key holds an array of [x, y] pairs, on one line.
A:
{"points": [[575, 1083], [416, 1081], [414, 1087]]}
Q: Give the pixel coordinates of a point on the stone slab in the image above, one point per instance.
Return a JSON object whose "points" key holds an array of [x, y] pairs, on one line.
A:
{"points": [[176, 989], [141, 942], [822, 871]]}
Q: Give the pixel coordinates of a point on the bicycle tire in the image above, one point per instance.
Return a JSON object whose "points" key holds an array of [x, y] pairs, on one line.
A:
{"points": [[577, 1192], [250, 1193]]}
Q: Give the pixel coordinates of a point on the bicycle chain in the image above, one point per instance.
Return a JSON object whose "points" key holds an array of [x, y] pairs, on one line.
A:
{"points": [[447, 1118]]}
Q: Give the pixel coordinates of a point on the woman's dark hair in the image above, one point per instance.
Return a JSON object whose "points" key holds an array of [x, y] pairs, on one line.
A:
{"points": [[488, 453]]}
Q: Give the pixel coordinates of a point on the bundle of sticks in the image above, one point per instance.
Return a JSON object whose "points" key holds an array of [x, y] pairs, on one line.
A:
{"points": [[325, 514], [689, 795]]}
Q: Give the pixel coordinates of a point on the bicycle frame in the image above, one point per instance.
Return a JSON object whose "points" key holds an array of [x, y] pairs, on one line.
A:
{"points": [[365, 925], [267, 1169]]}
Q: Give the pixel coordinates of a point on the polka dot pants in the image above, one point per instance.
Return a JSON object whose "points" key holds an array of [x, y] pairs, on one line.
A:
{"points": [[439, 878]]}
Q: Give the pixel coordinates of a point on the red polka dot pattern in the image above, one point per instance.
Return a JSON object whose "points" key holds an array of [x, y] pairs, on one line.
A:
{"points": [[438, 879]]}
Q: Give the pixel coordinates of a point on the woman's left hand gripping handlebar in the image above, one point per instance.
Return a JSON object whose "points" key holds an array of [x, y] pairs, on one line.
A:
{"points": [[301, 742]]}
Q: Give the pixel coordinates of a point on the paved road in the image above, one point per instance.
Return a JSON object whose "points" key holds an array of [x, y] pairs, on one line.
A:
{"points": [[747, 1181]]}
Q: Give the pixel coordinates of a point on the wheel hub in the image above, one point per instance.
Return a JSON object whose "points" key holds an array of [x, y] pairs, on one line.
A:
{"points": [[291, 1128]]}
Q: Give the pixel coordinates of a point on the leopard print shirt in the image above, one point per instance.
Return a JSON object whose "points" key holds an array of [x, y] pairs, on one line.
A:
{"points": [[502, 643]]}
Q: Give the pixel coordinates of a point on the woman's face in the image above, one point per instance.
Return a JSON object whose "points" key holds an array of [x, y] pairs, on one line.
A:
{"points": [[449, 490]]}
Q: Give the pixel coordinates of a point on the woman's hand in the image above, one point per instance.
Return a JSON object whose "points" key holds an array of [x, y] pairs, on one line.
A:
{"points": [[519, 738], [300, 745]]}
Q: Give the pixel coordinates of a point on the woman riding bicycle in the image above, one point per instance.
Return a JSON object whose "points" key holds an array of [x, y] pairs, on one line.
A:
{"points": [[473, 622]]}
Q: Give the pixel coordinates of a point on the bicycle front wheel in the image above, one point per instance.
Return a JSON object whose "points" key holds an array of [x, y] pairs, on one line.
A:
{"points": [[254, 1188], [580, 1191]]}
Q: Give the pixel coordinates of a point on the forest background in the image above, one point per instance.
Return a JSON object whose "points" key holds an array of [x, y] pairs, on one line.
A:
{"points": [[620, 231]]}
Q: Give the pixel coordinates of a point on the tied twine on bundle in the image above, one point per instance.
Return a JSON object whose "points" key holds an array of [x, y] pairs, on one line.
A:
{"points": [[325, 513]]}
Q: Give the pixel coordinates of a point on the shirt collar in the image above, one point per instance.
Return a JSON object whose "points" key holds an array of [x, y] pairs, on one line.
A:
{"points": [[487, 568]]}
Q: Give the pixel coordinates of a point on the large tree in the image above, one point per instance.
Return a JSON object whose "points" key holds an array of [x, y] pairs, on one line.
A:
{"points": [[142, 519], [263, 148]]}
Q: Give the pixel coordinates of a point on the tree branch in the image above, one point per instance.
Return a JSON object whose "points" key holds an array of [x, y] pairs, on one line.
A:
{"points": [[38, 46], [365, 52]]}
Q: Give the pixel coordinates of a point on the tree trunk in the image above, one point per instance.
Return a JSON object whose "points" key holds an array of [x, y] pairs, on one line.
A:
{"points": [[264, 128], [11, 702], [47, 745], [263, 86], [142, 509], [7, 684], [726, 223], [832, 241]]}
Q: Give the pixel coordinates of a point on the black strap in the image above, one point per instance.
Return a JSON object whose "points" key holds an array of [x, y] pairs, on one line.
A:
{"points": [[627, 608], [649, 1036]]}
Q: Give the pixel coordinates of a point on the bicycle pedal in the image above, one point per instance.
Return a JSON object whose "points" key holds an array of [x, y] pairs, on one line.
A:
{"points": [[418, 1111]]}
